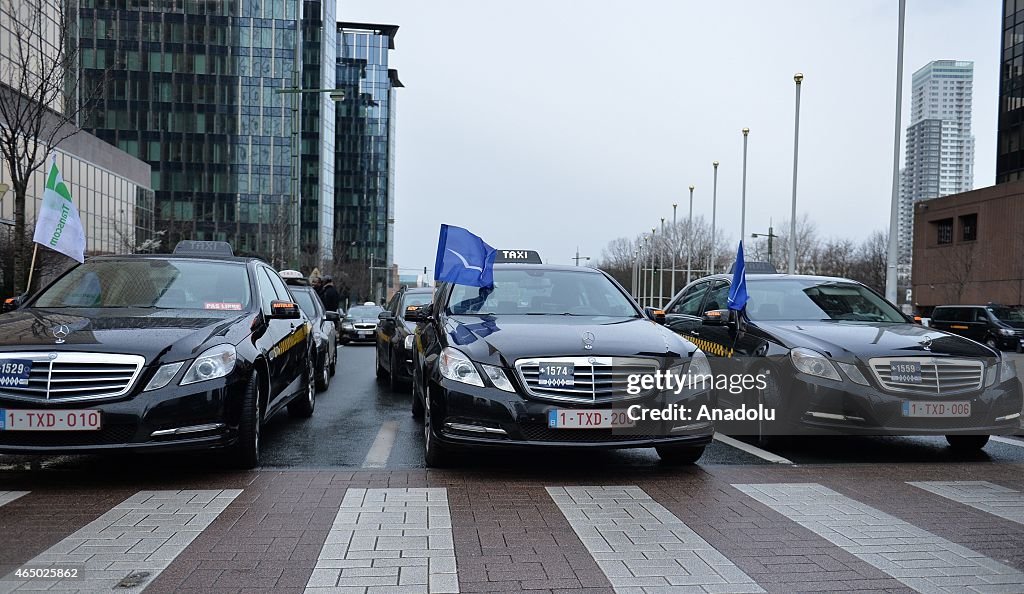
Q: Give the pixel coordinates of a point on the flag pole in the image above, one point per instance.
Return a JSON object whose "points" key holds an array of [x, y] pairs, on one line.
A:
{"points": [[32, 267]]}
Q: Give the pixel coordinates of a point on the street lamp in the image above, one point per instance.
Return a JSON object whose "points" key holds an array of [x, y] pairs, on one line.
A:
{"points": [[675, 234], [798, 79], [714, 209], [661, 265], [689, 240], [894, 208], [643, 277], [653, 244], [743, 203], [770, 235], [579, 257]]}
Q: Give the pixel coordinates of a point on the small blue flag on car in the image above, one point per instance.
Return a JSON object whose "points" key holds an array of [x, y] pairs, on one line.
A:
{"points": [[738, 290], [463, 258]]}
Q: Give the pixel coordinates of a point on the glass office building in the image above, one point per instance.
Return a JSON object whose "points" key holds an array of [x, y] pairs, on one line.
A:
{"points": [[1010, 160], [190, 89], [365, 157]]}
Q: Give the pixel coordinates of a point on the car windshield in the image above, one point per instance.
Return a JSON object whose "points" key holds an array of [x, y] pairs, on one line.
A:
{"points": [[364, 311], [805, 299], [415, 299], [305, 300], [539, 292], [1006, 314], [151, 283]]}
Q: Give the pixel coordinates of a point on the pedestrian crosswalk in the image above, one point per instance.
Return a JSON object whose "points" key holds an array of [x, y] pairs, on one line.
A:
{"points": [[631, 538]]}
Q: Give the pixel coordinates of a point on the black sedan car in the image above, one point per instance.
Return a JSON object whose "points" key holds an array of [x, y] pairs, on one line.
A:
{"points": [[998, 326], [360, 323], [396, 336], [325, 335], [831, 355], [541, 360], [188, 351]]}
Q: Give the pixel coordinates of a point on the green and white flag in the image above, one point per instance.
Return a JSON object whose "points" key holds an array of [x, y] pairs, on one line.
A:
{"points": [[58, 226]]}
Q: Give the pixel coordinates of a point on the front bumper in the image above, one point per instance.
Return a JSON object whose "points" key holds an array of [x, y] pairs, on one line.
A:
{"points": [[198, 416], [355, 336], [509, 420], [815, 405]]}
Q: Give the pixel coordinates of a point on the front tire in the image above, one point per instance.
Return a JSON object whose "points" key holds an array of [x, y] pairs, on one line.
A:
{"points": [[433, 452], [381, 373], [967, 443], [302, 406], [675, 455], [245, 453], [323, 378]]}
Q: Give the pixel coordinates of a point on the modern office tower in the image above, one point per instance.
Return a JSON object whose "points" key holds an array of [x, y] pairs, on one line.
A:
{"points": [[939, 144], [1010, 157]]}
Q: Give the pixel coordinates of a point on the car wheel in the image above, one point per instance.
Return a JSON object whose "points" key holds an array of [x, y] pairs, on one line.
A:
{"points": [[679, 455], [302, 406], [433, 453], [967, 443], [380, 368], [992, 343], [394, 381], [334, 363], [323, 378], [245, 453]]}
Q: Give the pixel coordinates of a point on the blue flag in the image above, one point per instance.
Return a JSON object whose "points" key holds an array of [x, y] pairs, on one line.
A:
{"points": [[738, 290], [463, 258]]}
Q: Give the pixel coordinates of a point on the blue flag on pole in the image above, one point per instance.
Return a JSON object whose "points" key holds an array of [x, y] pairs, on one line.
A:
{"points": [[463, 258], [738, 290]]}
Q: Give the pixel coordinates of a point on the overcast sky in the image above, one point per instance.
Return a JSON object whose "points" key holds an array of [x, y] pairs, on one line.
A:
{"points": [[547, 124]]}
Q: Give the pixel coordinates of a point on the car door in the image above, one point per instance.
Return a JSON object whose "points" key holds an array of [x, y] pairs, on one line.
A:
{"points": [[295, 344], [386, 330], [683, 314], [273, 339]]}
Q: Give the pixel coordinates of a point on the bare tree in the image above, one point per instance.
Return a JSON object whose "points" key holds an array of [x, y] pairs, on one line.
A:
{"points": [[807, 245], [960, 265], [41, 99]]}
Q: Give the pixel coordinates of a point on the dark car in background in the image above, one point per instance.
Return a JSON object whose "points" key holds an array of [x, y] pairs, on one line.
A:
{"points": [[194, 350], [838, 358], [541, 360], [325, 334], [396, 335], [998, 326], [360, 323]]}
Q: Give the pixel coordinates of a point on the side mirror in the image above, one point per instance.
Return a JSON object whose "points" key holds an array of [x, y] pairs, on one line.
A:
{"points": [[11, 304], [716, 317], [385, 315], [656, 314], [417, 313], [332, 316], [284, 310]]}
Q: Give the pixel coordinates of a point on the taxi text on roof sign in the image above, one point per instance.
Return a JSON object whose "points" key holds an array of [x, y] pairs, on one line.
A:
{"points": [[522, 256]]}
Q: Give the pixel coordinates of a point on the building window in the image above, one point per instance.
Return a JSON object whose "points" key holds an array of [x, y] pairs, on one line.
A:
{"points": [[944, 230], [969, 227]]}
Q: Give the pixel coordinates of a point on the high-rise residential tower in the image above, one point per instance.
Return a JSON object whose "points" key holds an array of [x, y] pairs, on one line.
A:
{"points": [[939, 144]]}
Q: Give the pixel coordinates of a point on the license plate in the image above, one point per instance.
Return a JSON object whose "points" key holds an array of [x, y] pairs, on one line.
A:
{"points": [[49, 420], [14, 372], [588, 419], [556, 375], [365, 333], [905, 372], [936, 409]]}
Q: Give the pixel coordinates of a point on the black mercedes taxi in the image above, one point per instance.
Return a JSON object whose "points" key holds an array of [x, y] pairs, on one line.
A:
{"points": [[541, 359], [193, 350], [829, 355]]}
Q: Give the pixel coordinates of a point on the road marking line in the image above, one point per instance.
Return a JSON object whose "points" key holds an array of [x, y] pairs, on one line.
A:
{"points": [[981, 495], [750, 449], [1007, 440], [380, 451], [643, 547], [388, 540], [916, 557], [144, 533], [9, 496]]}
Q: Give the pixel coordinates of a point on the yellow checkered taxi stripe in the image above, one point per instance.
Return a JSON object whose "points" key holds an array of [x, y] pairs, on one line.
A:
{"points": [[710, 348]]}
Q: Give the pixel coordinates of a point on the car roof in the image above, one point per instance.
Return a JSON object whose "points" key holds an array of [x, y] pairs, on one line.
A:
{"points": [[236, 259], [419, 290], [811, 277], [553, 267]]}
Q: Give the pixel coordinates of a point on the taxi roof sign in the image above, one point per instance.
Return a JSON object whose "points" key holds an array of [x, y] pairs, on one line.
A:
{"points": [[520, 256], [189, 247]]}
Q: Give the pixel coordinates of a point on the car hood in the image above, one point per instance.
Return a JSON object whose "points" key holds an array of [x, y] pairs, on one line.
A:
{"points": [[501, 340], [169, 334], [864, 340]]}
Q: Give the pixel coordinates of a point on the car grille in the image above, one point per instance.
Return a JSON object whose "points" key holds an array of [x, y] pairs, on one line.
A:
{"points": [[72, 377], [595, 379], [365, 326], [938, 375]]}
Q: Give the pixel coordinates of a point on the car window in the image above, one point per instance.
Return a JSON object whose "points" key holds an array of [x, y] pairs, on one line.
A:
{"points": [[542, 292], [414, 299], [267, 291], [942, 314], [151, 282], [718, 297], [364, 312], [1006, 314], [690, 301], [282, 289], [306, 301], [809, 299]]}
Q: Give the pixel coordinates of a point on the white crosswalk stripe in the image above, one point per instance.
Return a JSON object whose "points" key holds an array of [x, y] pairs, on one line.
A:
{"points": [[985, 496], [143, 534], [9, 496], [389, 541], [916, 557], [642, 547]]}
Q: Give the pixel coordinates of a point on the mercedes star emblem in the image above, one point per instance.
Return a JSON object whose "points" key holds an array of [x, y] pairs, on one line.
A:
{"points": [[60, 332], [588, 340], [926, 344]]}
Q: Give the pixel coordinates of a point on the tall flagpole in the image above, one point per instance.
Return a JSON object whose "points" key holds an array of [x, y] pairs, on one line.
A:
{"points": [[661, 267], [894, 210], [743, 204], [714, 209], [798, 78], [32, 268]]}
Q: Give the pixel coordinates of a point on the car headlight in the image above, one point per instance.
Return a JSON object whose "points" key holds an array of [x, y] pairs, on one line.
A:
{"points": [[457, 367], [853, 373], [347, 326], [695, 374], [498, 378], [163, 376], [814, 363], [1006, 332], [409, 340], [1002, 371], [215, 362]]}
